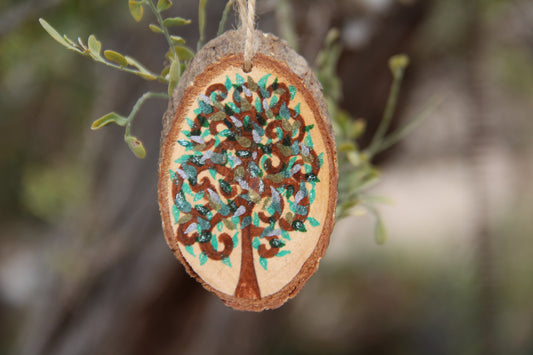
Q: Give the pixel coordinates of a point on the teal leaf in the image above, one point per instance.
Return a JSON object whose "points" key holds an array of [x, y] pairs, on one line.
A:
{"points": [[183, 158], [203, 258], [228, 83], [184, 143], [297, 109], [235, 240], [220, 226], [283, 253], [198, 196], [190, 250], [256, 243], [313, 222], [285, 235], [263, 81], [264, 263], [175, 213], [186, 188], [214, 242], [239, 80], [226, 261], [256, 219], [293, 91]]}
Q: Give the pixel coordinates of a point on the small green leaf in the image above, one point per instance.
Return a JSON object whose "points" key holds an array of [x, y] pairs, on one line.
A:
{"points": [[116, 57], [175, 21], [136, 9], [398, 63], [177, 40], [184, 53], [136, 147], [111, 117], [162, 5], [95, 45], [155, 28], [55, 35], [146, 76], [173, 76], [380, 232]]}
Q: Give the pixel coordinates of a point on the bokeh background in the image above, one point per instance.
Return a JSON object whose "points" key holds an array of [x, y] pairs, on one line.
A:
{"points": [[84, 268]]}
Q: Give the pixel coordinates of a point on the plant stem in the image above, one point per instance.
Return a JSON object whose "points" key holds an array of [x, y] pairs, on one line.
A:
{"points": [[201, 23], [137, 106], [401, 132], [286, 23], [224, 18], [392, 100], [157, 14], [128, 70]]}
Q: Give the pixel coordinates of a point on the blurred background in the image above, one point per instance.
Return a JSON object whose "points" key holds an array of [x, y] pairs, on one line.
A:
{"points": [[84, 267]]}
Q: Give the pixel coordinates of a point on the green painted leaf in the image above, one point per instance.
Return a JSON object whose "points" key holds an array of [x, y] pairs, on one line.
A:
{"points": [[186, 188], [175, 213], [239, 80], [264, 263], [283, 253], [226, 261], [256, 219], [162, 5], [190, 250], [263, 81], [256, 243], [183, 159], [214, 242], [116, 57], [293, 91], [313, 222], [285, 235], [198, 196], [203, 258], [236, 239], [175, 21], [111, 117], [136, 9], [95, 46], [185, 143]]}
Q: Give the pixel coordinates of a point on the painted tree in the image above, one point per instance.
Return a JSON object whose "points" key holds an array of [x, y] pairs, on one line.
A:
{"points": [[249, 175]]}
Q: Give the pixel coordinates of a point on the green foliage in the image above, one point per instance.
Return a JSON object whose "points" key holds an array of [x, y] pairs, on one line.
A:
{"points": [[357, 173], [178, 56], [356, 170]]}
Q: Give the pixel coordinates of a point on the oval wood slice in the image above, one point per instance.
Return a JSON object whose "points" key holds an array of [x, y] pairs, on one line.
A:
{"points": [[248, 172]]}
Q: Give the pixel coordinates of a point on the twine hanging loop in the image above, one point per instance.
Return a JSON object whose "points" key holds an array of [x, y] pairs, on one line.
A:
{"points": [[247, 16]]}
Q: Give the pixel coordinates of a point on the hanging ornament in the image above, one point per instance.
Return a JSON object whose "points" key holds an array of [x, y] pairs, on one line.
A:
{"points": [[248, 170]]}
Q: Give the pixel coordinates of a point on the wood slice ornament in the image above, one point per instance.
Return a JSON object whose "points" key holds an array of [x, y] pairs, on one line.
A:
{"points": [[248, 172]]}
